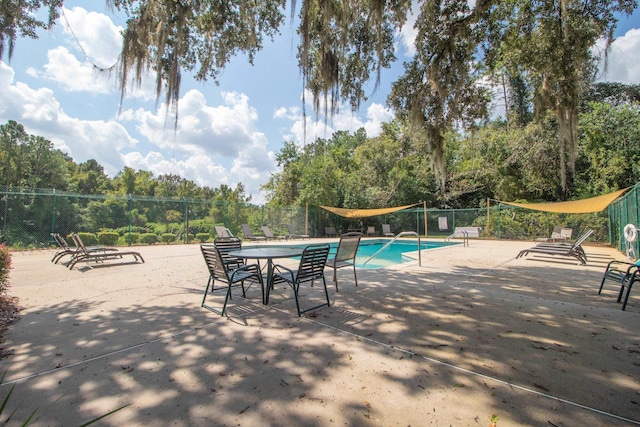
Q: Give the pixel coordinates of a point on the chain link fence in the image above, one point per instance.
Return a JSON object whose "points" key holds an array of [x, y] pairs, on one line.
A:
{"points": [[30, 216], [500, 221], [622, 212]]}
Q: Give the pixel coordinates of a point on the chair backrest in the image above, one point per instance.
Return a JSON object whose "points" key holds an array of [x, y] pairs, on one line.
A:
{"points": [[78, 242], [60, 241], [386, 228], [246, 230], [291, 229], [348, 246], [371, 229], [566, 233], [222, 231], [580, 240], [443, 223], [214, 260], [267, 232], [312, 262], [556, 233], [227, 244]]}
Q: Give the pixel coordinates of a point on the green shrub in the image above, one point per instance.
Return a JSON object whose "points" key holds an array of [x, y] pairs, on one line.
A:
{"points": [[131, 237], [5, 266], [89, 239], [202, 237], [168, 237], [148, 238], [156, 227], [108, 238], [201, 226]]}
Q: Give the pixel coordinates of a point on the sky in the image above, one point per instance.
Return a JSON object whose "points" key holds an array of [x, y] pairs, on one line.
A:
{"points": [[227, 133]]}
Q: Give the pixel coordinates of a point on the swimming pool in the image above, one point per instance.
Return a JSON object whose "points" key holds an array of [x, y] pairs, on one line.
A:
{"points": [[392, 255]]}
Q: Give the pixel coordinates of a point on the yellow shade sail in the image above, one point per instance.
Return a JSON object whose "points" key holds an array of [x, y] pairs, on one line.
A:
{"points": [[593, 204], [364, 213]]}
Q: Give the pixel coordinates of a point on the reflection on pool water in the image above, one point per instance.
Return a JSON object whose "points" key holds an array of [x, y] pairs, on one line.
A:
{"points": [[392, 255]]}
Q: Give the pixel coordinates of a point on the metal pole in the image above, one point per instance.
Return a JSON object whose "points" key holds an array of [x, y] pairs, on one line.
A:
{"points": [[53, 214], [130, 219], [186, 231], [499, 219], [488, 217], [425, 218]]}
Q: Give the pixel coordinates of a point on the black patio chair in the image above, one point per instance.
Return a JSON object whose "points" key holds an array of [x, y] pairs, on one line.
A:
{"points": [[219, 270], [622, 273], [345, 255], [628, 285], [311, 267]]}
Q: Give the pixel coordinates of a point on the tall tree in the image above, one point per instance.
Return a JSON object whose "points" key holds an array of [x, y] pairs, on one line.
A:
{"points": [[553, 41], [90, 178], [610, 136], [344, 42], [12, 135], [440, 85], [20, 18], [169, 37]]}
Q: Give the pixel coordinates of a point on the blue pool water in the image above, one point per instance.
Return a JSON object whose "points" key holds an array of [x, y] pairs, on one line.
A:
{"points": [[392, 255]]}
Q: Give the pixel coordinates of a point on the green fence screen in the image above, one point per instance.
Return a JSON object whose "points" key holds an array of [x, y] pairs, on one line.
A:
{"points": [[28, 217]]}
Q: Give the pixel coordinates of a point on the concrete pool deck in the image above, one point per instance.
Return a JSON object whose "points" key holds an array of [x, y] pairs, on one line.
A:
{"points": [[472, 333]]}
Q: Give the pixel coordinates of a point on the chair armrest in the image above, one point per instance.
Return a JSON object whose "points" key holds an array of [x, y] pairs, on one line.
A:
{"points": [[250, 268], [615, 264], [278, 269], [631, 267]]}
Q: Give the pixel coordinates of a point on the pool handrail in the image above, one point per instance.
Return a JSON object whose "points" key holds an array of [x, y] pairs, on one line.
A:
{"points": [[403, 233]]}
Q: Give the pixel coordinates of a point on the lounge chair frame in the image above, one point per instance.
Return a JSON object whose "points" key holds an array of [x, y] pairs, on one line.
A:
{"points": [[269, 235], [293, 235], [574, 250], [248, 234], [98, 254], [223, 231], [65, 249]]}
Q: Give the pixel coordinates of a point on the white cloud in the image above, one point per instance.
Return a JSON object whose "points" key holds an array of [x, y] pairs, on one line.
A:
{"points": [[40, 113], [623, 65], [344, 119], [212, 145], [408, 33], [280, 113], [97, 42], [200, 169], [95, 34], [73, 75], [219, 144], [376, 115]]}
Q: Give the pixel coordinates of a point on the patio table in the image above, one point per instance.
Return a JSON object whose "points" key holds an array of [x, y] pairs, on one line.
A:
{"points": [[269, 254]]}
